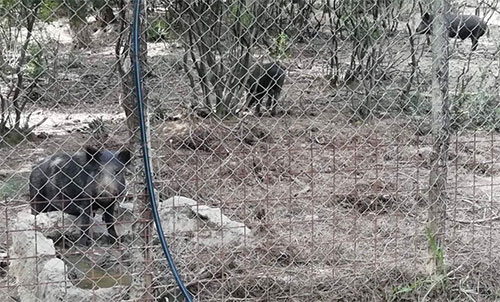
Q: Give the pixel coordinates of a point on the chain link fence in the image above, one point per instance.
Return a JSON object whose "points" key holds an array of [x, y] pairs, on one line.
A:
{"points": [[305, 150]]}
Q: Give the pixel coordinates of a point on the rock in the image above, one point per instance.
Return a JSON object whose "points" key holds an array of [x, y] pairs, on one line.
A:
{"points": [[107, 261], [181, 214], [29, 251], [125, 218], [56, 224], [177, 214], [40, 275]]}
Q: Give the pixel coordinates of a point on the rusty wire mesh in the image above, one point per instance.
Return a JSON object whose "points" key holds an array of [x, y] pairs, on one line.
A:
{"points": [[323, 198]]}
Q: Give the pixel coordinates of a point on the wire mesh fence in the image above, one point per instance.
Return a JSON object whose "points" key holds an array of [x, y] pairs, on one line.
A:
{"points": [[309, 150]]}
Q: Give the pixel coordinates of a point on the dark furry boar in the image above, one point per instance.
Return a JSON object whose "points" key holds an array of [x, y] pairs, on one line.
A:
{"points": [[266, 79], [79, 184], [458, 26]]}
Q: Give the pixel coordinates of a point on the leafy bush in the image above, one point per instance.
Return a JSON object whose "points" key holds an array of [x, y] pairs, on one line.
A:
{"points": [[281, 47], [416, 104], [476, 111], [35, 68], [158, 30]]}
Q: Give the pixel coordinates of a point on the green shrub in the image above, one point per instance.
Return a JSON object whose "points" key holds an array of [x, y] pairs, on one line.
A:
{"points": [[158, 30], [476, 111], [281, 47]]}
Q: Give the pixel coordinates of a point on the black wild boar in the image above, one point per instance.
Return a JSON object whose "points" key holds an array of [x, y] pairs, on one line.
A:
{"points": [[79, 184], [458, 26], [266, 79]]}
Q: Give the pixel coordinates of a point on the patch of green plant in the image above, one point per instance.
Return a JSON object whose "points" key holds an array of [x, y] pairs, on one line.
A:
{"points": [[240, 14], [6, 5], [158, 30], [369, 29], [281, 47], [10, 137], [431, 283], [400, 291], [35, 66], [476, 111], [11, 187], [416, 104], [48, 8], [436, 250], [362, 27]]}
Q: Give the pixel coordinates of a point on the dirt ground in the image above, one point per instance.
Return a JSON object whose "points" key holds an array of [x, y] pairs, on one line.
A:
{"points": [[337, 206]]}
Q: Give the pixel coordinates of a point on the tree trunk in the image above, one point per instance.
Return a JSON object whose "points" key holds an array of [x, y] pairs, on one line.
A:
{"points": [[142, 227], [78, 24], [441, 136]]}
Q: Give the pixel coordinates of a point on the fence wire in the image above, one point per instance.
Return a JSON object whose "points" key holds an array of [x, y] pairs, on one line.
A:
{"points": [[310, 150]]}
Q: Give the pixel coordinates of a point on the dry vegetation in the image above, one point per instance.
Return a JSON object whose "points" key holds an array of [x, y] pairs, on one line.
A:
{"points": [[337, 205]]}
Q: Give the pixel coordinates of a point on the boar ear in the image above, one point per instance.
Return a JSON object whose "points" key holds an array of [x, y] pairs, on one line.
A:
{"points": [[124, 156], [92, 152], [426, 16]]}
